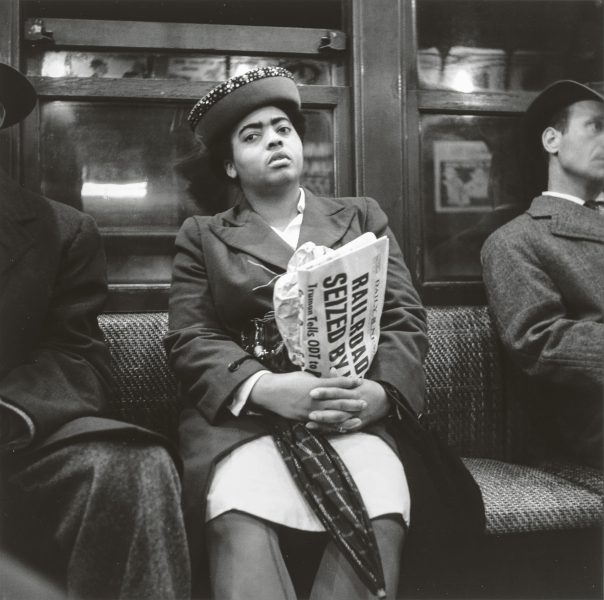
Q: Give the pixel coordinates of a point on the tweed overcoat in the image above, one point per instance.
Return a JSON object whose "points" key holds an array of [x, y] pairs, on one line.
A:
{"points": [[544, 276], [223, 276], [54, 364]]}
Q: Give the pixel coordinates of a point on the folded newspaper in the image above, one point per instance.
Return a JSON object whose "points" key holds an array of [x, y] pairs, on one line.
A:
{"points": [[329, 303]]}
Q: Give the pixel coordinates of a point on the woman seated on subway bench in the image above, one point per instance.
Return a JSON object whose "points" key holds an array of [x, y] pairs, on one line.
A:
{"points": [[245, 426]]}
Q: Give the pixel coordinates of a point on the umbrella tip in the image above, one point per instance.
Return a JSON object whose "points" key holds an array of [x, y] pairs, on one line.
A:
{"points": [[381, 593]]}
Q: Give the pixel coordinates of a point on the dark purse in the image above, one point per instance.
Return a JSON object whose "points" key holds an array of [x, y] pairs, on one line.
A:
{"points": [[437, 476], [262, 340]]}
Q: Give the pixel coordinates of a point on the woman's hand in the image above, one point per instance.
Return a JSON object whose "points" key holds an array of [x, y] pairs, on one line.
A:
{"points": [[372, 393], [292, 395]]}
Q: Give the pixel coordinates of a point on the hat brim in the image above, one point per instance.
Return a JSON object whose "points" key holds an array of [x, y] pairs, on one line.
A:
{"points": [[551, 100], [17, 95], [225, 114]]}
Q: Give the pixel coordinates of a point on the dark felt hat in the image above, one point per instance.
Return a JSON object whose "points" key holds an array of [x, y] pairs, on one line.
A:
{"points": [[17, 95], [551, 100], [230, 101]]}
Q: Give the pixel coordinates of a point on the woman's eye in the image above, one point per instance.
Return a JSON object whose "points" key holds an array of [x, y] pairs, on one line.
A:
{"points": [[595, 126], [284, 129], [250, 137]]}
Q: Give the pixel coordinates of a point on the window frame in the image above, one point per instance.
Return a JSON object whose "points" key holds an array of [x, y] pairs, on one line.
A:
{"points": [[177, 37]]}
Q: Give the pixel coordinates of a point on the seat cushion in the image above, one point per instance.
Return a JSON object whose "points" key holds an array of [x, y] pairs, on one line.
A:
{"points": [[464, 399], [521, 498]]}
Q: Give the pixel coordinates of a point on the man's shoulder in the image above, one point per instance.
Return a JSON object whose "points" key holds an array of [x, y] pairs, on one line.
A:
{"points": [[65, 212], [24, 203], [514, 231]]}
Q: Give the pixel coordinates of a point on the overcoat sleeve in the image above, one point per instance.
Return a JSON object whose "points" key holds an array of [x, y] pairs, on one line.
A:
{"points": [[534, 323], [208, 363], [403, 341], [67, 373]]}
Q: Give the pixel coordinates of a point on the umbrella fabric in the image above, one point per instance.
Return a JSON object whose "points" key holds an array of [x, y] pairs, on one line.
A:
{"points": [[329, 489]]}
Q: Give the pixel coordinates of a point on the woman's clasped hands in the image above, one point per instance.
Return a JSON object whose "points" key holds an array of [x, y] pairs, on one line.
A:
{"points": [[334, 404]]}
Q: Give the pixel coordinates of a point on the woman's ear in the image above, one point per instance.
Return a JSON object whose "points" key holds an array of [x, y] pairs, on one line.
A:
{"points": [[230, 169], [551, 140]]}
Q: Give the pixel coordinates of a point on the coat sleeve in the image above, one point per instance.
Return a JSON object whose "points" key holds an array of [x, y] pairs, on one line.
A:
{"points": [[534, 324], [67, 375], [403, 332], [199, 349]]}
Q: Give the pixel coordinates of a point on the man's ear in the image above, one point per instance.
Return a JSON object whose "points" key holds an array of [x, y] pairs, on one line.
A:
{"points": [[230, 169], [551, 140]]}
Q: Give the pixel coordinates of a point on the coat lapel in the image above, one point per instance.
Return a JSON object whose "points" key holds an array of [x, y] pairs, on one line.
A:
{"points": [[568, 219], [325, 222], [245, 230]]}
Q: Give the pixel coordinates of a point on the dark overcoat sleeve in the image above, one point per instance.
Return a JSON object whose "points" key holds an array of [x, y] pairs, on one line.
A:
{"points": [[66, 371], [199, 346], [533, 319]]}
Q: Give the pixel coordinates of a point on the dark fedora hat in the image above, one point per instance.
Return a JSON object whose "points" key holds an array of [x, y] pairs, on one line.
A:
{"points": [[551, 100], [230, 101], [17, 95]]}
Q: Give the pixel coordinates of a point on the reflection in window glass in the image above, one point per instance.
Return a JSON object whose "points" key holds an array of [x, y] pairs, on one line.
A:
{"points": [[471, 185], [307, 71], [319, 175], [124, 165], [189, 67], [473, 45], [116, 161]]}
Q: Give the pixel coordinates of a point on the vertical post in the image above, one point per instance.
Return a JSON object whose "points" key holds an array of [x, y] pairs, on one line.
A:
{"points": [[379, 119], [9, 54]]}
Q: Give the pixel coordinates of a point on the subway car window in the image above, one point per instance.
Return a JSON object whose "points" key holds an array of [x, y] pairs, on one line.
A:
{"points": [[416, 104], [470, 45], [471, 185], [183, 66], [111, 137], [478, 65]]}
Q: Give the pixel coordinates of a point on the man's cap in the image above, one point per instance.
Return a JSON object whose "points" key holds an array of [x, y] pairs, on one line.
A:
{"points": [[17, 95], [230, 101], [552, 99]]}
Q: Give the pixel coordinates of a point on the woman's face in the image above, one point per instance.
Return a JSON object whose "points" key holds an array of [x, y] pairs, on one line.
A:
{"points": [[267, 151]]}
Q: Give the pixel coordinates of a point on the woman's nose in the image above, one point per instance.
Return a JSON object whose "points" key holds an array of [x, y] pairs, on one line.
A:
{"points": [[274, 140]]}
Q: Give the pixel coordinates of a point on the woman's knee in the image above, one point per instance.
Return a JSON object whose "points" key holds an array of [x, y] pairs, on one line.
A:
{"points": [[241, 532]]}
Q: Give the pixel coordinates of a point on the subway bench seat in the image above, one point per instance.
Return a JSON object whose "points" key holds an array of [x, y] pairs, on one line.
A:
{"points": [[544, 520]]}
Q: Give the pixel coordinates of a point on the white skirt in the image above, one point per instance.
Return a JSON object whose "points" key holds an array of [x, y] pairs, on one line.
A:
{"points": [[254, 479]]}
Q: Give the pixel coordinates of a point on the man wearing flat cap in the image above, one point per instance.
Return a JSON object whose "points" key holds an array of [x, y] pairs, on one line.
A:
{"points": [[87, 501], [544, 276]]}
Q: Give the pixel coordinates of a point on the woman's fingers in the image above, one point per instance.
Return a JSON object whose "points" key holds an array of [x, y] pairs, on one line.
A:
{"points": [[349, 405], [333, 393], [346, 426], [329, 416], [346, 383]]}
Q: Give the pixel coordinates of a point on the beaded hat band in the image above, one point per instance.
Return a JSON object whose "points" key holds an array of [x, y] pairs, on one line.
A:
{"points": [[230, 101]]}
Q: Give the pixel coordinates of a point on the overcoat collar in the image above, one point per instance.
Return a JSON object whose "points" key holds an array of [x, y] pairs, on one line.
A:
{"points": [[16, 212], [325, 222], [569, 219]]}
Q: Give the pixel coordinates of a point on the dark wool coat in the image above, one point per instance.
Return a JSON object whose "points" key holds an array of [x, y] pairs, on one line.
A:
{"points": [[54, 364], [544, 275], [222, 277]]}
